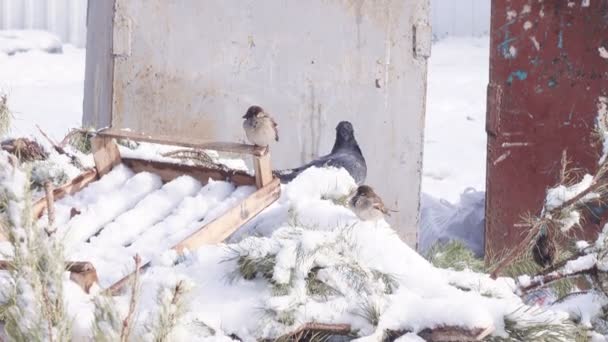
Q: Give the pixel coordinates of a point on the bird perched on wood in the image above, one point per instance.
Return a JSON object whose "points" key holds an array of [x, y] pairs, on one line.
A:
{"points": [[543, 251], [345, 154], [260, 128], [367, 205]]}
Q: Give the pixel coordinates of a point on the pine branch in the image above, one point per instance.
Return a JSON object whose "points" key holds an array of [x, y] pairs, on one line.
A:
{"points": [[128, 321], [302, 331], [544, 280], [61, 150]]}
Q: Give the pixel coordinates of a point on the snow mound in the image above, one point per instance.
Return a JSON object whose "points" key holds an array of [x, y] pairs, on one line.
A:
{"points": [[303, 267], [17, 41]]}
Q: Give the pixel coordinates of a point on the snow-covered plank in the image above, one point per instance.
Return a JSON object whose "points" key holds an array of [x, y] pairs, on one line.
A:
{"points": [[150, 210], [191, 210], [70, 188], [223, 226], [108, 207], [242, 205], [170, 171], [189, 142]]}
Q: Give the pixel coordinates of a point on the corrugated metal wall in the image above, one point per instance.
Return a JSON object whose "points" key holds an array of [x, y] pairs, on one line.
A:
{"points": [[460, 18], [65, 18]]}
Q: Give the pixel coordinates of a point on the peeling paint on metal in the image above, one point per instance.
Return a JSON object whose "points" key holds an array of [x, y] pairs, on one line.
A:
{"points": [[515, 144], [518, 74], [586, 3], [502, 158], [603, 52], [535, 42], [527, 25]]}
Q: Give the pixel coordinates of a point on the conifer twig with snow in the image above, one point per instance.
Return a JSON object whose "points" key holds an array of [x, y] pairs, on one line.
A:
{"points": [[127, 324]]}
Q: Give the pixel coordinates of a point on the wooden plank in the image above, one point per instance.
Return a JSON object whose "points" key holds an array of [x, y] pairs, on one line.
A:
{"points": [[190, 142], [263, 170], [70, 188], [170, 171], [105, 153], [82, 273], [451, 333], [222, 227]]}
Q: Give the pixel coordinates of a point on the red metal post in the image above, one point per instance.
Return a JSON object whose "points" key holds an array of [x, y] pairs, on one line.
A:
{"points": [[547, 71]]}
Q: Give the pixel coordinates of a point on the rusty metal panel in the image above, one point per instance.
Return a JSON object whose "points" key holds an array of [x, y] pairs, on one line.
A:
{"points": [[192, 67], [547, 73]]}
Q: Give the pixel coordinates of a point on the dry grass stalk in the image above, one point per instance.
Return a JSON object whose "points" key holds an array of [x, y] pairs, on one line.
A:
{"points": [[61, 150], [50, 208], [128, 321], [5, 115]]}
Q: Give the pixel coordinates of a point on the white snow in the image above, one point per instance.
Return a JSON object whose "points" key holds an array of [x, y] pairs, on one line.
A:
{"points": [[18, 41], [580, 264], [96, 215], [584, 306], [561, 193], [455, 117]]}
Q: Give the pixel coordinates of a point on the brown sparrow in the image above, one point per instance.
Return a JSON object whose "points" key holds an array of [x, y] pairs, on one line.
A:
{"points": [[259, 127], [367, 205]]}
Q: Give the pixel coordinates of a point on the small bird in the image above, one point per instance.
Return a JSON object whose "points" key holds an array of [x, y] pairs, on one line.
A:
{"points": [[367, 205], [543, 251], [345, 154], [260, 128]]}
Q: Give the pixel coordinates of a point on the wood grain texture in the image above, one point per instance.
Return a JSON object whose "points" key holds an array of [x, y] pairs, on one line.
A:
{"points": [[105, 154], [263, 170], [189, 142], [170, 171]]}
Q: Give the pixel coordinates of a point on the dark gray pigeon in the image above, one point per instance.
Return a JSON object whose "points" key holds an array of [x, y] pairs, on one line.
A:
{"points": [[345, 153]]}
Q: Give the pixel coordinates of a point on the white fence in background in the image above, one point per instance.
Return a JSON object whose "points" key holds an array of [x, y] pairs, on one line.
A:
{"points": [[67, 18], [460, 17]]}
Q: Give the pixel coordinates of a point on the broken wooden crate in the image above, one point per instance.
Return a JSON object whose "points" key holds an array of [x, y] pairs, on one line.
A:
{"points": [[260, 191]]}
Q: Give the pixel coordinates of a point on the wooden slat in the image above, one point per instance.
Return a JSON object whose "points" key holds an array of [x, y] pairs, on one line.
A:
{"points": [[263, 170], [450, 333], [82, 273], [190, 142], [222, 227], [170, 171], [70, 188], [105, 153]]}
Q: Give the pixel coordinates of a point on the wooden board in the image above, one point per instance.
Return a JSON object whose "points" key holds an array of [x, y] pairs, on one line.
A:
{"points": [[222, 227], [170, 171], [263, 170], [75, 185], [70, 188], [105, 153], [450, 333], [190, 142]]}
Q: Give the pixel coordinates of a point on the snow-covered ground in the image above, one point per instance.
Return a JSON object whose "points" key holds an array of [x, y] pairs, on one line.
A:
{"points": [[454, 136], [43, 88]]}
